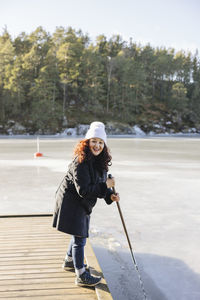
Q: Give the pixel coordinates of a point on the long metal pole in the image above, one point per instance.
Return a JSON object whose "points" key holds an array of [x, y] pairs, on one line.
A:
{"points": [[127, 236]]}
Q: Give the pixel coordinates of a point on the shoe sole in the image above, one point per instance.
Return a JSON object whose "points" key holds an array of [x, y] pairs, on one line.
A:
{"points": [[72, 268], [84, 284]]}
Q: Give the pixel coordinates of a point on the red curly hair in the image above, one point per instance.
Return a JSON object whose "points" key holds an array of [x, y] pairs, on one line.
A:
{"points": [[103, 160]]}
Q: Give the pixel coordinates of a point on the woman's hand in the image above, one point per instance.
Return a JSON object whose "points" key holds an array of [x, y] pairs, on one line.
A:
{"points": [[115, 197], [110, 182]]}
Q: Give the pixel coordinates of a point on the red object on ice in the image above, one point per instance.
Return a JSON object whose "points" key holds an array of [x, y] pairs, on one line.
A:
{"points": [[38, 154]]}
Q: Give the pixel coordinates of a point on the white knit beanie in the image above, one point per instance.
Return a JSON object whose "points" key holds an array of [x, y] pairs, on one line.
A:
{"points": [[97, 129]]}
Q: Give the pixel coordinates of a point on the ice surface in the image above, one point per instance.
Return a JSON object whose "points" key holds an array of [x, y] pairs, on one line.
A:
{"points": [[158, 180]]}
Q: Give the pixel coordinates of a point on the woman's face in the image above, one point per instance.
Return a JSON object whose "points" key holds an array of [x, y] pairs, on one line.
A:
{"points": [[96, 146]]}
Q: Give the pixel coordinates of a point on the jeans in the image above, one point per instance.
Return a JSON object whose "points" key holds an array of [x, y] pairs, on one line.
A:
{"points": [[76, 250]]}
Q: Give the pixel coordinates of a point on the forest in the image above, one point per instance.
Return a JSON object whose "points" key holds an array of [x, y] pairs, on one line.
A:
{"points": [[49, 82]]}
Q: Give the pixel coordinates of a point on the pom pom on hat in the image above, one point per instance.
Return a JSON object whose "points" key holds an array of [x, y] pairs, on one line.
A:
{"points": [[97, 129]]}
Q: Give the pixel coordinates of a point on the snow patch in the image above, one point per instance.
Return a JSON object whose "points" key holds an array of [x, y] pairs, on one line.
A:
{"points": [[80, 129], [138, 131], [69, 132]]}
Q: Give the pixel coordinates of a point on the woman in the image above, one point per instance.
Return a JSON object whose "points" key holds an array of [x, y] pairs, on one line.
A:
{"points": [[85, 181]]}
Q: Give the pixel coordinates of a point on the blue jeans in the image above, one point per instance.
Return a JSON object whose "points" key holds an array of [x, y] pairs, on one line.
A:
{"points": [[76, 250]]}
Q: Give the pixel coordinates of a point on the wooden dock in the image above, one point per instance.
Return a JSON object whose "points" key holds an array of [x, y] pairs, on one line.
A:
{"points": [[31, 257]]}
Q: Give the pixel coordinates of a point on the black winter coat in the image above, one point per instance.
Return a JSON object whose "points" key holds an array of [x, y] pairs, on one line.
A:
{"points": [[77, 195]]}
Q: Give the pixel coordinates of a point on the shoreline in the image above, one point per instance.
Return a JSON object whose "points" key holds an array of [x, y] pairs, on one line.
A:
{"points": [[113, 136]]}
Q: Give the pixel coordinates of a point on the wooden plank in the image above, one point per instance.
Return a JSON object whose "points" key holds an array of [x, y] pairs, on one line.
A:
{"points": [[34, 252], [39, 286], [57, 297], [30, 271], [63, 294], [39, 257], [30, 267], [23, 276], [23, 236], [32, 242], [27, 280], [26, 261], [79, 293], [34, 246]]}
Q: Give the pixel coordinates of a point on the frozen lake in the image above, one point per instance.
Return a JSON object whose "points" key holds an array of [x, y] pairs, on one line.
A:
{"points": [[158, 180]]}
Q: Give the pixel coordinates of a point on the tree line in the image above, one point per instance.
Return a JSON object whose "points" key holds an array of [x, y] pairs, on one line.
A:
{"points": [[51, 81]]}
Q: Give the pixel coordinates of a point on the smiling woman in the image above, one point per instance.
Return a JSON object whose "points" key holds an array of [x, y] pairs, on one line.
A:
{"points": [[85, 181]]}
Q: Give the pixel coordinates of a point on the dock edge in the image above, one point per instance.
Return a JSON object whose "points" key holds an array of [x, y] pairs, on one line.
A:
{"points": [[102, 290]]}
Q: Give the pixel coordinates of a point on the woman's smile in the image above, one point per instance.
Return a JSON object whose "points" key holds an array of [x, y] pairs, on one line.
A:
{"points": [[96, 146]]}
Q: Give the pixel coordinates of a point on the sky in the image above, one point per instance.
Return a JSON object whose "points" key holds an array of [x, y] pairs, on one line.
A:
{"points": [[162, 23]]}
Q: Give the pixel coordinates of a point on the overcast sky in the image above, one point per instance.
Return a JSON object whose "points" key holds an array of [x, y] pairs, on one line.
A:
{"points": [[169, 23]]}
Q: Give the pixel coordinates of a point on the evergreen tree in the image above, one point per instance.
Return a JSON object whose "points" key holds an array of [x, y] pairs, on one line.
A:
{"points": [[7, 55]]}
